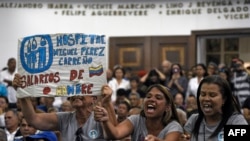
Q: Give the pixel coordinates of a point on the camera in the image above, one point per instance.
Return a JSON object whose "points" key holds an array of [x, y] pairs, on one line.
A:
{"points": [[235, 66], [175, 70]]}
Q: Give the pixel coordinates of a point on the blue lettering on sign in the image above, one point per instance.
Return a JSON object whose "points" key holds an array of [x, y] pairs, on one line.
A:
{"points": [[74, 89], [70, 89], [81, 39], [93, 51], [36, 53]]}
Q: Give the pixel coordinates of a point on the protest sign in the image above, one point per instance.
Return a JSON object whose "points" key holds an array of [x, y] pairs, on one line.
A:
{"points": [[61, 65]]}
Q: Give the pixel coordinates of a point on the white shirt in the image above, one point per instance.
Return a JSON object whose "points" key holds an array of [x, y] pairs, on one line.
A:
{"points": [[125, 84], [58, 102], [2, 123], [10, 136], [11, 91], [193, 85]]}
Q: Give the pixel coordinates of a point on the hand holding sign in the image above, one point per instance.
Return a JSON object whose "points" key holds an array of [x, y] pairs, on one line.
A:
{"points": [[106, 95], [16, 81]]}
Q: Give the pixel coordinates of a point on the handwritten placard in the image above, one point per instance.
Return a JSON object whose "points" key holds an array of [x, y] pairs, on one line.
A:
{"points": [[61, 65]]}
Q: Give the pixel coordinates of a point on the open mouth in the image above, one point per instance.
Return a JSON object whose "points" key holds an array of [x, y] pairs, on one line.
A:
{"points": [[207, 107], [150, 108]]}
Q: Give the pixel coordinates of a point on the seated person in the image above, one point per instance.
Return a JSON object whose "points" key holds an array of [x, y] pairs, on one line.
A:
{"points": [[29, 133]]}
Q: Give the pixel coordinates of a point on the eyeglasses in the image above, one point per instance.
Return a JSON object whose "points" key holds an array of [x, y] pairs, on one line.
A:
{"points": [[76, 97], [78, 134]]}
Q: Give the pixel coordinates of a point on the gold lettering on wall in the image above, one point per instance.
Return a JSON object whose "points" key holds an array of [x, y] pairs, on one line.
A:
{"points": [[221, 9]]}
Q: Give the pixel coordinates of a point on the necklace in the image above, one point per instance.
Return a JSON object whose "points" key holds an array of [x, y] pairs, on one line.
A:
{"points": [[204, 133]]}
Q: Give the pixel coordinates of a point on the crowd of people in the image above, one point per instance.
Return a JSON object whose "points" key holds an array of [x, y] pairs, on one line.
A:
{"points": [[167, 103]]}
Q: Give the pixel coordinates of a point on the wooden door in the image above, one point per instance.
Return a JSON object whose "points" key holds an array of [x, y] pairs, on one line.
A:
{"points": [[172, 48], [133, 52], [145, 53]]}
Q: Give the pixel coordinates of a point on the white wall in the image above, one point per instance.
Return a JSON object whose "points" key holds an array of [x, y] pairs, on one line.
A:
{"points": [[19, 22]]}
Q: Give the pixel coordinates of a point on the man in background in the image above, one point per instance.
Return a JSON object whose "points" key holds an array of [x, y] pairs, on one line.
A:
{"points": [[6, 78], [240, 81], [166, 67]]}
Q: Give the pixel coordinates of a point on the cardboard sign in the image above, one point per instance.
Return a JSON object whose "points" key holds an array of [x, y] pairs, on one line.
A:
{"points": [[61, 65]]}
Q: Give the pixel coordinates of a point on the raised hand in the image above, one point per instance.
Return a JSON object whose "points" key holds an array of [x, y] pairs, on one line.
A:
{"points": [[106, 95], [17, 81]]}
